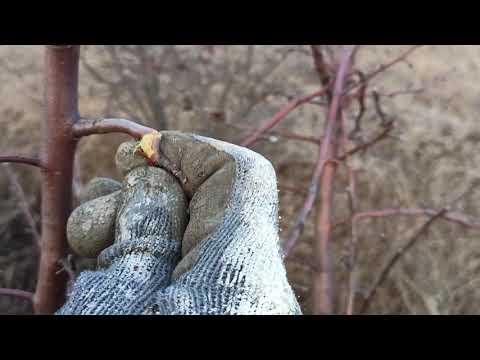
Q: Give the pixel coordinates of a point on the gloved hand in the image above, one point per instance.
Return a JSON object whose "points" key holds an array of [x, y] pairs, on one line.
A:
{"points": [[220, 255]]}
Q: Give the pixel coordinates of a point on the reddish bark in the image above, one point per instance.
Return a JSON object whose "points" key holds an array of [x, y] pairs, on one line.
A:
{"points": [[58, 148]]}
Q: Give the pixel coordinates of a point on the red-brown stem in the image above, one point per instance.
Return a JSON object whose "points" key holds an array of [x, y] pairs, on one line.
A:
{"points": [[58, 148], [27, 295], [86, 127], [324, 173], [19, 159], [282, 114], [318, 169]]}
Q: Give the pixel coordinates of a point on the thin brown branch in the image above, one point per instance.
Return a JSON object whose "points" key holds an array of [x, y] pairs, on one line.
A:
{"points": [[18, 189], [323, 69], [396, 257], [368, 144], [279, 116], [361, 103], [454, 217], [219, 117], [20, 159], [86, 127], [384, 67], [26, 295]]}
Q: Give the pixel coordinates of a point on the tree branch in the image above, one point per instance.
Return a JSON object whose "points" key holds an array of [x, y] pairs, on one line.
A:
{"points": [[450, 216], [20, 159], [86, 127], [384, 67], [27, 295], [282, 114]]}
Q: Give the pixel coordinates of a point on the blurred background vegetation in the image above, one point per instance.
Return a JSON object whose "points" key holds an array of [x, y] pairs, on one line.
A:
{"points": [[224, 91]]}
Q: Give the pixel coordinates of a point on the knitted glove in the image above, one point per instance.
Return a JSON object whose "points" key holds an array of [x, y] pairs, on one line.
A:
{"points": [[228, 260]]}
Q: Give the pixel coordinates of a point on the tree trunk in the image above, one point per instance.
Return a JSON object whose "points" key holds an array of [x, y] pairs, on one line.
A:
{"points": [[57, 155]]}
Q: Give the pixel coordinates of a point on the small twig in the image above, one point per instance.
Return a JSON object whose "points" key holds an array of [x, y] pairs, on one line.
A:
{"points": [[26, 295], [361, 103], [282, 114], [219, 117], [323, 69], [378, 109], [384, 67], [68, 266], [86, 127], [368, 144], [23, 203], [402, 92], [20, 159], [396, 257]]}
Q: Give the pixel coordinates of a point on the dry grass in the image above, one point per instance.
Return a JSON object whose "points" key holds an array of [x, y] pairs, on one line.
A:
{"points": [[433, 157]]}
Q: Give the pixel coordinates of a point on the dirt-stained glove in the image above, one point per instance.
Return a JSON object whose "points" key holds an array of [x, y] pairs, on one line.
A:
{"points": [[225, 260]]}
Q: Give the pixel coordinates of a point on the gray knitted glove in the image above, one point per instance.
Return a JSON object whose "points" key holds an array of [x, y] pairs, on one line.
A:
{"points": [[224, 259]]}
